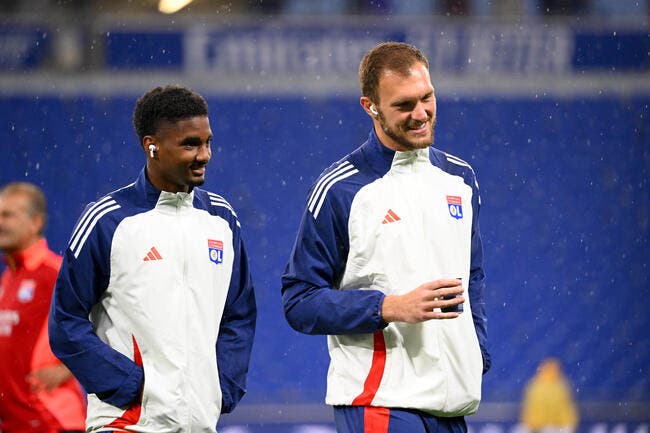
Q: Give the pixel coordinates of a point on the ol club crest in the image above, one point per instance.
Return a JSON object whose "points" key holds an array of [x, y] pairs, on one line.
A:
{"points": [[455, 205], [215, 250]]}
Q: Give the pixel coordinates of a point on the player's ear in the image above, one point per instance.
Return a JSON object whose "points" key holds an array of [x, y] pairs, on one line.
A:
{"points": [[150, 146], [368, 106], [147, 140]]}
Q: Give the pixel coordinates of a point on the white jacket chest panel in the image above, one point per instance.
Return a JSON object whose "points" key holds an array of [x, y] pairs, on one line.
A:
{"points": [[183, 280], [426, 243]]}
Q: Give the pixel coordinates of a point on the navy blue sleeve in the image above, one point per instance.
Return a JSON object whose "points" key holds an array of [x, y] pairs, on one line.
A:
{"points": [[477, 280], [235, 340], [312, 303], [83, 278]]}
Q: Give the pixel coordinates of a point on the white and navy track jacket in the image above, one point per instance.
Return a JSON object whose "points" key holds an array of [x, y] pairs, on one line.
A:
{"points": [[377, 223], [154, 310]]}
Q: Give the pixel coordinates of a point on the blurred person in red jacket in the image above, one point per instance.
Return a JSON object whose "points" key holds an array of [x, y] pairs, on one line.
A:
{"points": [[38, 394]]}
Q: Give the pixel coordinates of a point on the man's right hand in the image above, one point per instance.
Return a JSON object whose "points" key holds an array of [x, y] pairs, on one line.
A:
{"points": [[418, 305]]}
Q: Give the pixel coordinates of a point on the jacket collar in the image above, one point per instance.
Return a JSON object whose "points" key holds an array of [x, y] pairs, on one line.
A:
{"points": [[156, 198], [149, 192], [381, 159], [378, 156]]}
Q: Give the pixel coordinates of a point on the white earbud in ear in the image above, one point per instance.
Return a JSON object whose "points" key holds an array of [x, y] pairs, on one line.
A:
{"points": [[373, 110], [152, 149]]}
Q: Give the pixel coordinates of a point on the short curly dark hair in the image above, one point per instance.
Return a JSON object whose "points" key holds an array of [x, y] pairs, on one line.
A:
{"points": [[166, 104], [393, 56]]}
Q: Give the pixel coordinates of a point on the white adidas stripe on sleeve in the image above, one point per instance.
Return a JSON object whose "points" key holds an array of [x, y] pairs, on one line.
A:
{"points": [[329, 185], [455, 160], [90, 227], [321, 184], [217, 200], [88, 215]]}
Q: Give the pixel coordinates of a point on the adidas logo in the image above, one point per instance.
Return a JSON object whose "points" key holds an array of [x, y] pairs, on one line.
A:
{"points": [[153, 254], [390, 217]]}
